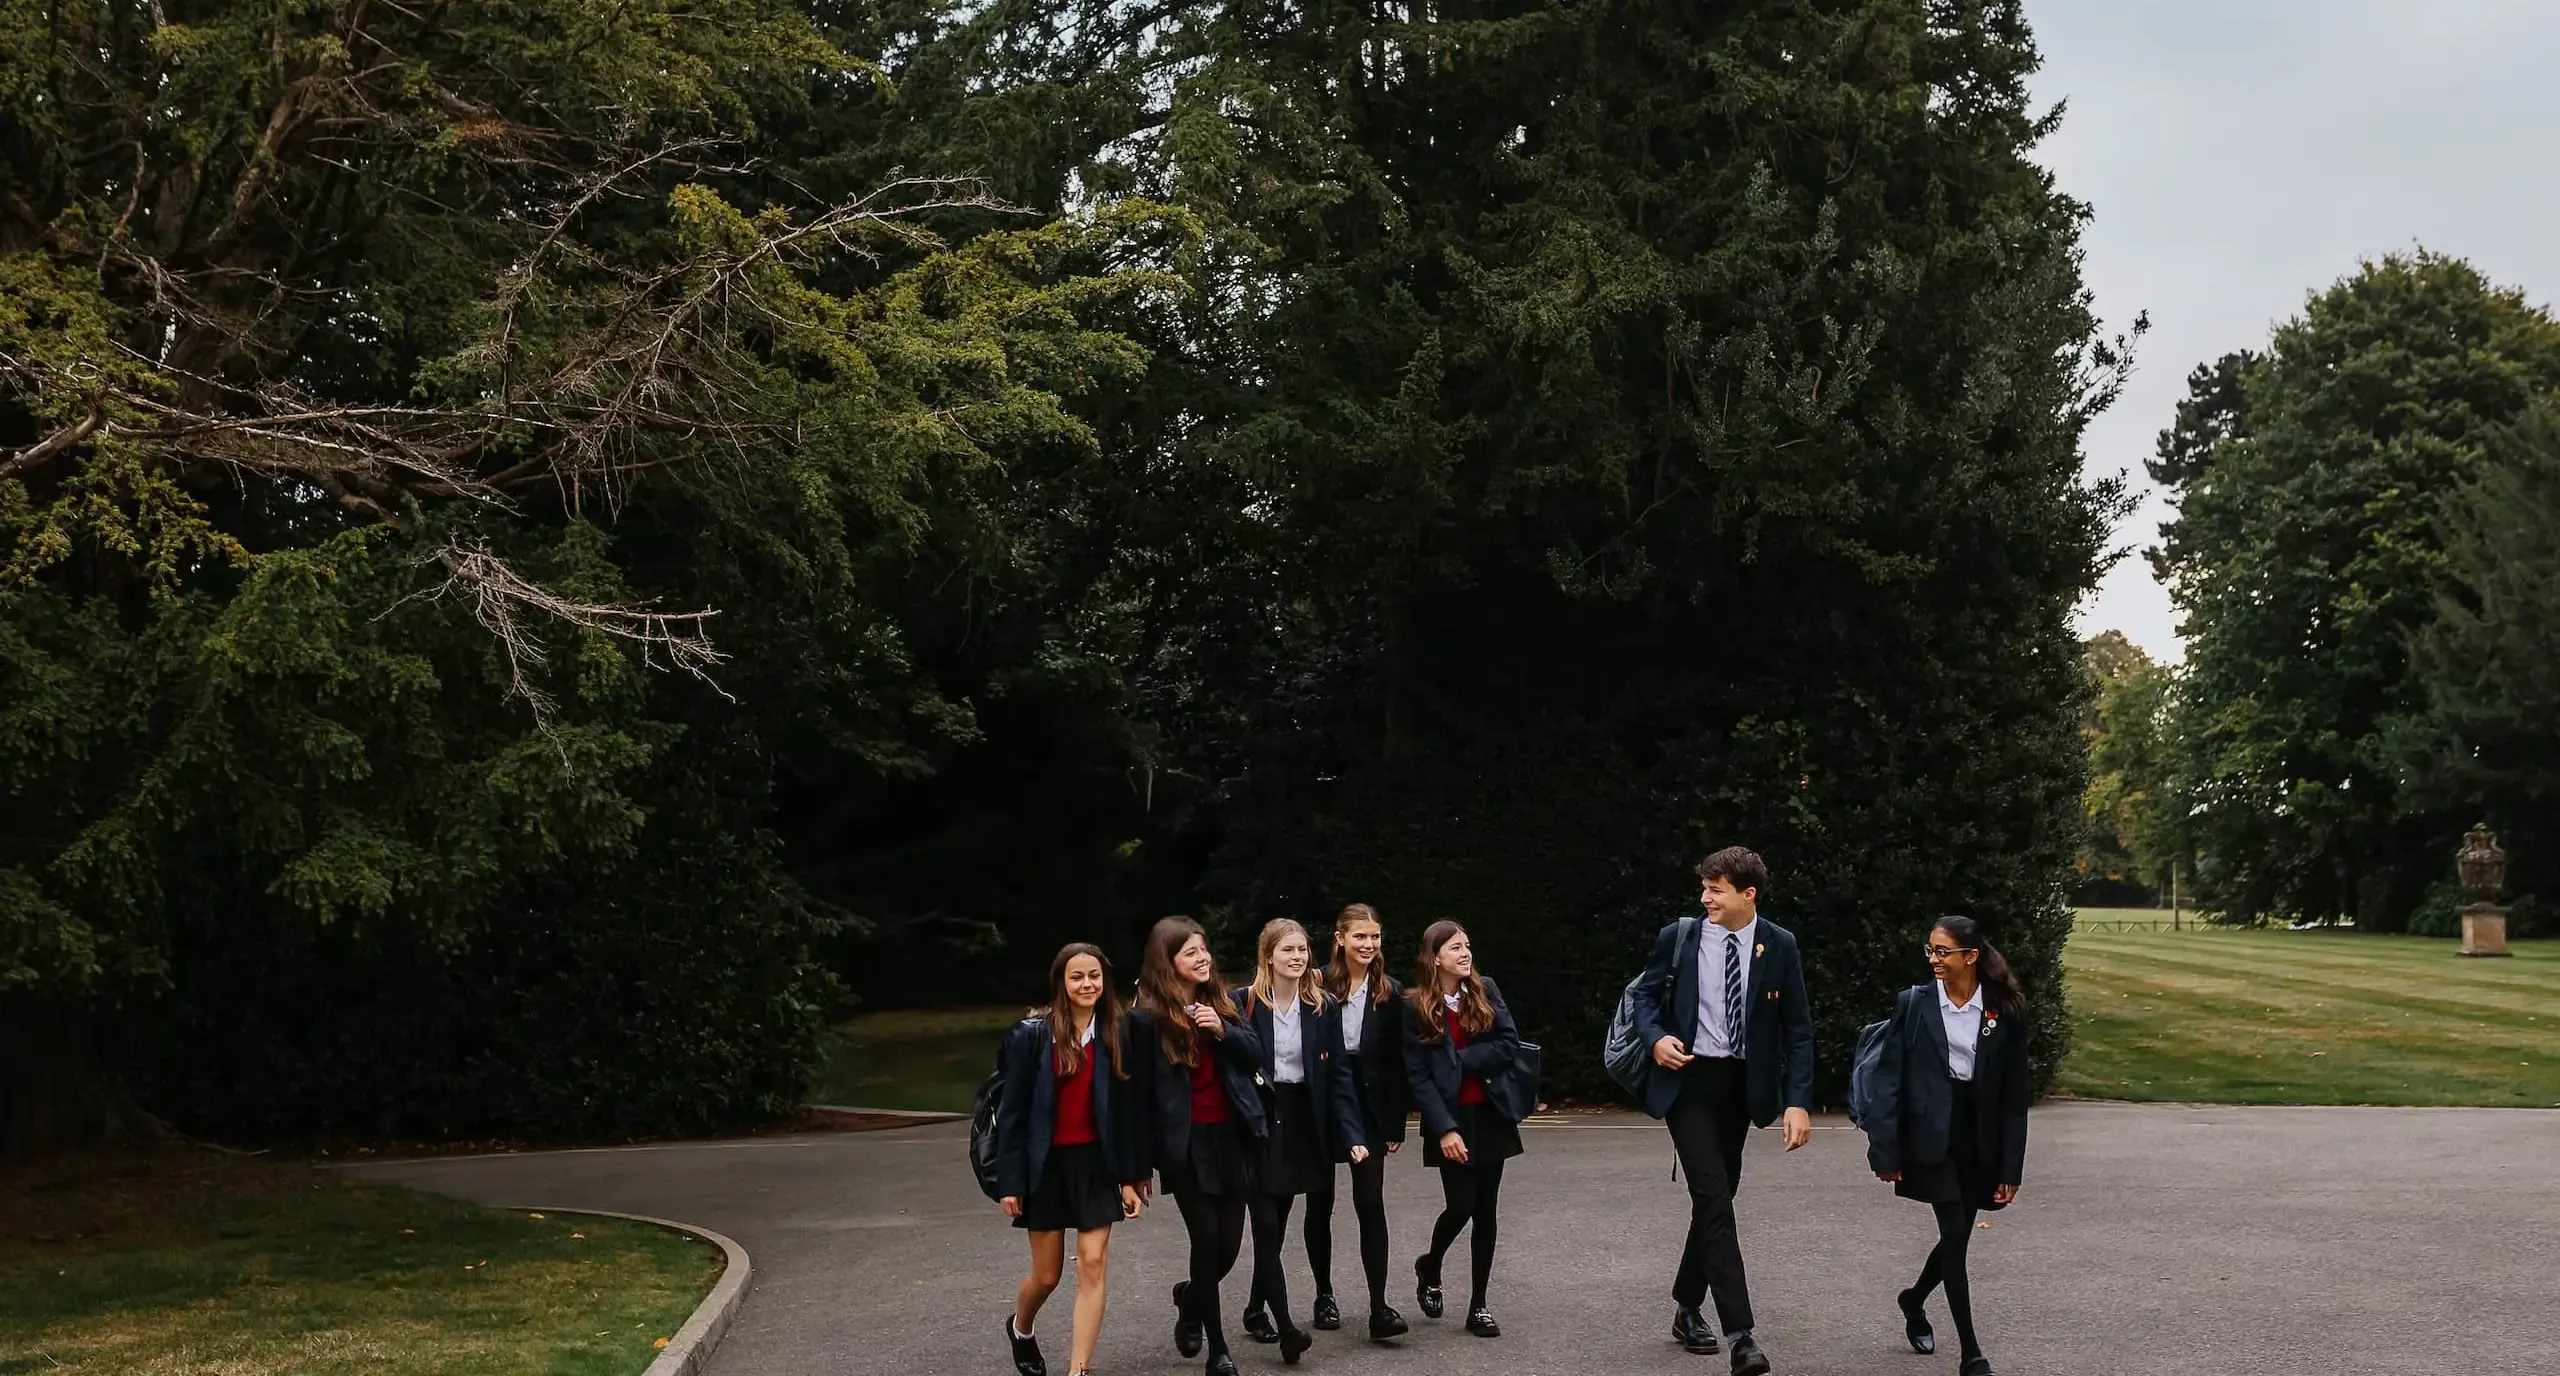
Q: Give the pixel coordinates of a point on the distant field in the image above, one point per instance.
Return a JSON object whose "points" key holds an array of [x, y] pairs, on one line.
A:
{"points": [[927, 1059], [2275, 1017]]}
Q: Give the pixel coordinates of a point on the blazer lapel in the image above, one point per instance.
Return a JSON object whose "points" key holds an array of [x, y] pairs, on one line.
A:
{"points": [[1262, 1029], [1758, 993], [1935, 1022]]}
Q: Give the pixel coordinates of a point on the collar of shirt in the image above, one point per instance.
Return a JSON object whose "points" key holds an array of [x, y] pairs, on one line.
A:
{"points": [[1949, 1005]]}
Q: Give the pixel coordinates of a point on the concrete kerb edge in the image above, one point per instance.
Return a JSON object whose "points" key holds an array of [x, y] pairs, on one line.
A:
{"points": [[694, 1343], [916, 1116]]}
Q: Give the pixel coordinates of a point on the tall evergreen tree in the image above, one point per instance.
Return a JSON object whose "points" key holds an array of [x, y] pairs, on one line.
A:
{"points": [[1663, 422]]}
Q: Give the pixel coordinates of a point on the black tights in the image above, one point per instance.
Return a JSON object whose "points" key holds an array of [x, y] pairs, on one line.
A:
{"points": [[1469, 1194], [1369, 1202], [1270, 1280], [1946, 1263], [1216, 1225]]}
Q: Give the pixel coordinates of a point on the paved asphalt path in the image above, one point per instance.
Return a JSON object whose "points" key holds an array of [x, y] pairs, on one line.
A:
{"points": [[2293, 1242]]}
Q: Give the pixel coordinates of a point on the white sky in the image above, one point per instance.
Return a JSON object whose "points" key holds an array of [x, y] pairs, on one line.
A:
{"points": [[2241, 154]]}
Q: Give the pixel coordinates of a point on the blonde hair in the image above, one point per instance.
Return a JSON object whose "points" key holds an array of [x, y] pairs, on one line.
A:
{"points": [[1310, 985]]}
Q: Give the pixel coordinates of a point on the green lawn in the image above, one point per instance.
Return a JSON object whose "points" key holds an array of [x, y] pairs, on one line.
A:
{"points": [[186, 1261], [2276, 1017], [911, 1058]]}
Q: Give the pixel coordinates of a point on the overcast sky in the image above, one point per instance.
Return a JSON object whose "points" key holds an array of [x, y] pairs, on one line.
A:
{"points": [[2241, 154]]}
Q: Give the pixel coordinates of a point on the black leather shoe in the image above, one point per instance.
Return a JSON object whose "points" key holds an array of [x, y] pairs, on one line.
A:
{"points": [[1480, 1322], [1385, 1323], [1222, 1365], [1026, 1352], [1328, 1314], [1294, 1343], [1426, 1288], [1187, 1338], [1915, 1324], [1748, 1359], [1690, 1329], [1258, 1325], [1975, 1366]]}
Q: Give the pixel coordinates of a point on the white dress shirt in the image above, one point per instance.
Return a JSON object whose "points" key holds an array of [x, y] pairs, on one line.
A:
{"points": [[1964, 1032], [1355, 1012], [1712, 1037], [1288, 1044]]}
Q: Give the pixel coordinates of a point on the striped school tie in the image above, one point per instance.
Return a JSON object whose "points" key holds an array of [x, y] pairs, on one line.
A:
{"points": [[1733, 993]]}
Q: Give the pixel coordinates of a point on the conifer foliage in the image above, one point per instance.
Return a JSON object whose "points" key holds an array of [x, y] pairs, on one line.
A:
{"points": [[532, 532]]}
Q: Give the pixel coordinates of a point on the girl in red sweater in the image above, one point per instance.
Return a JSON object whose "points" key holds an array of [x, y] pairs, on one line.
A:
{"points": [[1068, 1149]]}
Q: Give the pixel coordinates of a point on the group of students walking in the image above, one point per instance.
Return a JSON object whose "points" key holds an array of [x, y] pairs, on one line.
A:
{"points": [[1244, 1099]]}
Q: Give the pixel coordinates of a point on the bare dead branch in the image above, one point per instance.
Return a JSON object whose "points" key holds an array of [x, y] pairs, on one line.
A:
{"points": [[504, 601]]}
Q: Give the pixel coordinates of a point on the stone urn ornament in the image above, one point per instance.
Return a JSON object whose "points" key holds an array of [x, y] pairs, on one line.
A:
{"points": [[2482, 863]]}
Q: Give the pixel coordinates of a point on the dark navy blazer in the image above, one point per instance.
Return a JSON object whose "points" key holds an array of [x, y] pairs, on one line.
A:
{"points": [[1915, 1109], [1239, 1058], [1438, 1073], [1377, 1068], [1027, 1110], [1337, 1103], [1777, 1032]]}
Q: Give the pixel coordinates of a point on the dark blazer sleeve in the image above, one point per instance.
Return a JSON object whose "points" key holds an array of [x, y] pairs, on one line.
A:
{"points": [[1656, 986], [1138, 1052], [1343, 1083], [1241, 1043], [2015, 1090], [1019, 1063], [1884, 1116], [1494, 1052], [1796, 1011], [1438, 1114]]}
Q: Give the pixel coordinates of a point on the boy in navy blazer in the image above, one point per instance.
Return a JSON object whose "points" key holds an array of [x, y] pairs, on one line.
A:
{"points": [[1722, 1003]]}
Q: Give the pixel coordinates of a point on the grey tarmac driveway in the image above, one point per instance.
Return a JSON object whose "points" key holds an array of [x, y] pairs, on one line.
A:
{"points": [[2294, 1242]]}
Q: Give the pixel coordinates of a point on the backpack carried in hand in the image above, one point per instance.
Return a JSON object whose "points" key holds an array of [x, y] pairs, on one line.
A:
{"points": [[982, 1131], [1628, 1056]]}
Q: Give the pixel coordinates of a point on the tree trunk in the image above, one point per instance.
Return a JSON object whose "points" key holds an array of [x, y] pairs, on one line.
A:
{"points": [[61, 1081]]}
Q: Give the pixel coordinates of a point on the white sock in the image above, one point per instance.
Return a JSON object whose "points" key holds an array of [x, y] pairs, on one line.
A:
{"points": [[1018, 1335]]}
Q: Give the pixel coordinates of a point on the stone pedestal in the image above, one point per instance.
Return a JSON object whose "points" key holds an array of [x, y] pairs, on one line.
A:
{"points": [[2484, 930]]}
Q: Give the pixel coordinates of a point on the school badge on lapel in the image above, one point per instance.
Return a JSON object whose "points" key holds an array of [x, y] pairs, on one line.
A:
{"points": [[1759, 949], [1990, 1024]]}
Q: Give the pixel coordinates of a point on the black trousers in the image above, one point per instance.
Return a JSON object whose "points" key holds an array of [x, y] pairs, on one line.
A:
{"points": [[1709, 1122]]}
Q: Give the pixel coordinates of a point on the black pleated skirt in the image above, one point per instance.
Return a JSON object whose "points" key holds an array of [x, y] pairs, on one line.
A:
{"points": [[1963, 1177], [1225, 1159], [1488, 1133], [1293, 1161], [1076, 1191]]}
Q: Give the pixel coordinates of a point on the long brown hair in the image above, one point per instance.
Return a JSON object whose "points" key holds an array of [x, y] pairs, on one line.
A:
{"points": [[1108, 1013], [1475, 1008], [1337, 972], [1267, 989], [1163, 993]]}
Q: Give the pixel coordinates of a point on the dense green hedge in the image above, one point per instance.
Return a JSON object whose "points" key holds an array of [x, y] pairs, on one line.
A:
{"points": [[678, 995]]}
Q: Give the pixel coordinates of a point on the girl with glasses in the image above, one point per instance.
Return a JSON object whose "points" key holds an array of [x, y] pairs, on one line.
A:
{"points": [[1949, 1125]]}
